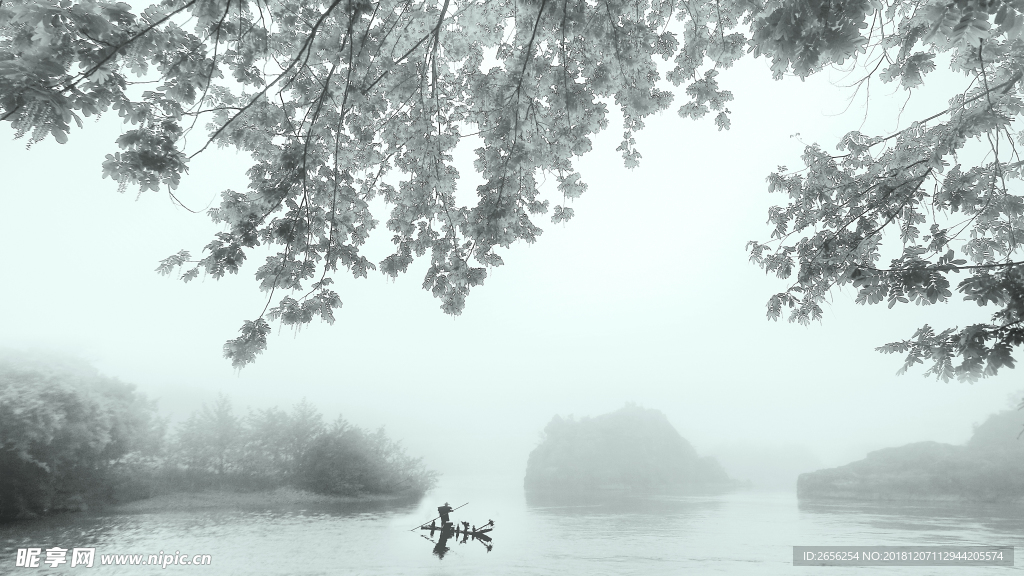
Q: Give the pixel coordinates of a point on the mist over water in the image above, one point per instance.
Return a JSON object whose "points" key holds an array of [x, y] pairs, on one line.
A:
{"points": [[645, 297], [744, 532]]}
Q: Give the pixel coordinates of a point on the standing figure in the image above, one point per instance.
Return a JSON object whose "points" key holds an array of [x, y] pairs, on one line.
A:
{"points": [[443, 511]]}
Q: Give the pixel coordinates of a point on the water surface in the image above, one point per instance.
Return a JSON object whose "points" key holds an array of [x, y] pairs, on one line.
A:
{"points": [[747, 532]]}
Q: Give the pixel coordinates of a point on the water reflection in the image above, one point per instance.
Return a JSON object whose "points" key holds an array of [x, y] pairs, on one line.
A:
{"points": [[936, 517], [136, 526], [82, 530], [741, 533], [457, 536], [588, 504], [451, 531]]}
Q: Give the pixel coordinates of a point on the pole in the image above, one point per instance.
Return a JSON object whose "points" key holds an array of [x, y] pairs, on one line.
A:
{"points": [[436, 517]]}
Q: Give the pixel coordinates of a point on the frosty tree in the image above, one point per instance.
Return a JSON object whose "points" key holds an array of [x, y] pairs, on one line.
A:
{"points": [[338, 101]]}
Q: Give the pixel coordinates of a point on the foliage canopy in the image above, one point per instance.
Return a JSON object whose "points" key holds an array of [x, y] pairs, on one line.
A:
{"points": [[272, 447], [70, 438], [334, 98]]}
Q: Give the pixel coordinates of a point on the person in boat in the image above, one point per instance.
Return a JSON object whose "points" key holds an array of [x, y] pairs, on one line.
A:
{"points": [[444, 511]]}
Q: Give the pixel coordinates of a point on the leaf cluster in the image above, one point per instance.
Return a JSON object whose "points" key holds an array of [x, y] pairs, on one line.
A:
{"points": [[342, 102], [909, 192]]}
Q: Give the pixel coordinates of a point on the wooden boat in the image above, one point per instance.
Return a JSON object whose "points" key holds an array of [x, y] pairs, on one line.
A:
{"points": [[461, 530]]}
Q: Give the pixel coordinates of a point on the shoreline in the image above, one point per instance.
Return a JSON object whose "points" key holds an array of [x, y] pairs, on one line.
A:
{"points": [[908, 498], [285, 496]]}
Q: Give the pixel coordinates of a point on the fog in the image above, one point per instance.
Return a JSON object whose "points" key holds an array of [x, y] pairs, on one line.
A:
{"points": [[646, 296]]}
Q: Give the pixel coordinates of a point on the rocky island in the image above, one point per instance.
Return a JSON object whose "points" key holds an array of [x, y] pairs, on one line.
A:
{"points": [[990, 467], [631, 449]]}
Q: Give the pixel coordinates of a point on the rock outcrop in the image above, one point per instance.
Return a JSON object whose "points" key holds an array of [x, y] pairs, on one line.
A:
{"points": [[990, 467], [631, 449]]}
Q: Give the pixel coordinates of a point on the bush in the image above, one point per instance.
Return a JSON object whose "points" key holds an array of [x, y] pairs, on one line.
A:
{"points": [[349, 461], [271, 448], [69, 438]]}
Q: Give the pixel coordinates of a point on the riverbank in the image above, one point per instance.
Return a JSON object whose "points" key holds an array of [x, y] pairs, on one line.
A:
{"points": [[283, 497], [989, 468], [74, 440]]}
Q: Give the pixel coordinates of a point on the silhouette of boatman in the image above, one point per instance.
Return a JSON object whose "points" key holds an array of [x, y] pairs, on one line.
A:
{"points": [[443, 511]]}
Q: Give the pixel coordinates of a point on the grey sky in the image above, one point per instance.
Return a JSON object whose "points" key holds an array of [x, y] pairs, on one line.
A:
{"points": [[646, 296]]}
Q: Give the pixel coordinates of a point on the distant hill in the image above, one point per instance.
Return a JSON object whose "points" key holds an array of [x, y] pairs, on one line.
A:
{"points": [[990, 467], [630, 449]]}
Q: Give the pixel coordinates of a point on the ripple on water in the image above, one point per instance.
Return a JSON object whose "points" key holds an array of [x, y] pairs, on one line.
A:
{"points": [[738, 533]]}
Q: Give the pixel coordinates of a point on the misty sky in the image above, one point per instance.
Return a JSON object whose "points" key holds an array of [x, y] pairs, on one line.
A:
{"points": [[646, 296]]}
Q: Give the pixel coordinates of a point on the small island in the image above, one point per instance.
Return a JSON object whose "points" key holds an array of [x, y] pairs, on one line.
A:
{"points": [[630, 450], [73, 440], [989, 468]]}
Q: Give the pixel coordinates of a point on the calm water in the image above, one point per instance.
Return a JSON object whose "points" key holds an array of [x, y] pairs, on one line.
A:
{"points": [[741, 533]]}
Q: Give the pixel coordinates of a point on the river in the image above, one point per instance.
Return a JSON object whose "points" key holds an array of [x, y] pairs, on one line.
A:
{"points": [[746, 532]]}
